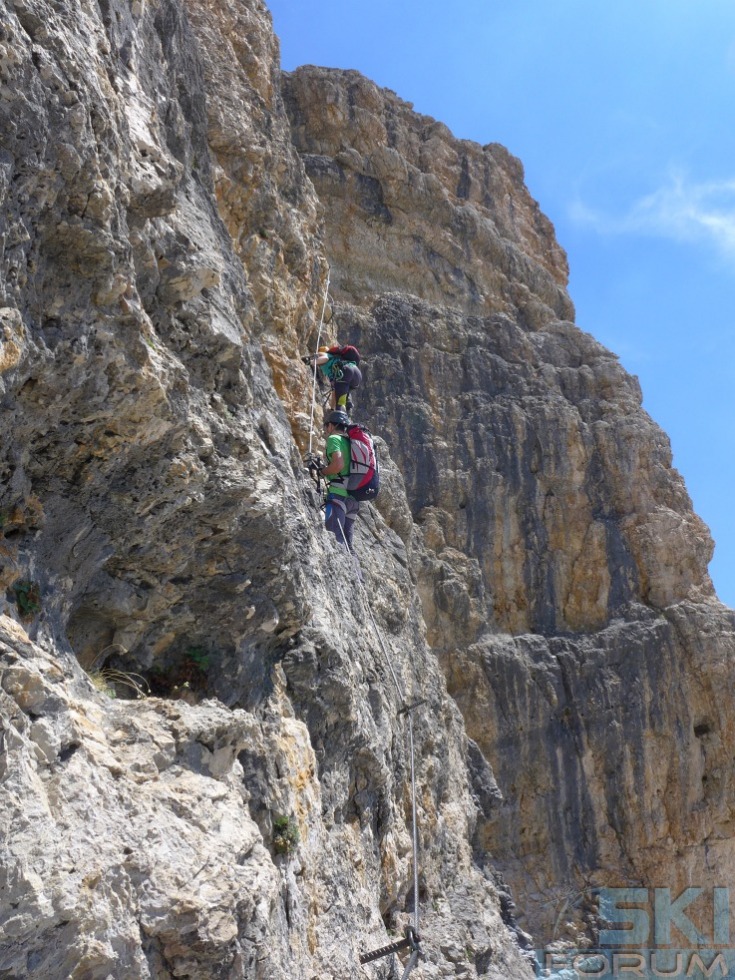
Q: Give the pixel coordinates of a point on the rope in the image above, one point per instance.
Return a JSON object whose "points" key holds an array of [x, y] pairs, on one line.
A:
{"points": [[313, 384], [415, 831], [399, 689], [414, 821], [411, 964]]}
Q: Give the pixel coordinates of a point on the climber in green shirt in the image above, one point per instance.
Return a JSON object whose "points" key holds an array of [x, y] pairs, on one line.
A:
{"points": [[341, 509]]}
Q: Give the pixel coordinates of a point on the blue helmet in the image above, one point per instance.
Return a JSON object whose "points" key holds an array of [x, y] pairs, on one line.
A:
{"points": [[340, 419]]}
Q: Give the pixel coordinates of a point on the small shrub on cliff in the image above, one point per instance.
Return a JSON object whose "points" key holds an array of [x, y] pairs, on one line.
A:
{"points": [[285, 835], [108, 679], [184, 673], [27, 597], [200, 659], [102, 684]]}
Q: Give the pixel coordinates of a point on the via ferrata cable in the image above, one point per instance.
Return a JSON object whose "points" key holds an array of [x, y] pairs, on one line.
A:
{"points": [[313, 383], [408, 710]]}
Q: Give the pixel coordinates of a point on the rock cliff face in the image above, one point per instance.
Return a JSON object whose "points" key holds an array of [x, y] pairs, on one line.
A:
{"points": [[535, 575], [562, 572]]}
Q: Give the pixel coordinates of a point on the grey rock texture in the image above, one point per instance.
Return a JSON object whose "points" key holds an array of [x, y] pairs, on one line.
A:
{"points": [[561, 569], [161, 271], [535, 574]]}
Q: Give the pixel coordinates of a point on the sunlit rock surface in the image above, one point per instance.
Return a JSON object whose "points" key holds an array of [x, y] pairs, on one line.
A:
{"points": [[534, 576], [561, 570]]}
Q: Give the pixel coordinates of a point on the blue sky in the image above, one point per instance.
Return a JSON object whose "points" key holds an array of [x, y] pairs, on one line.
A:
{"points": [[621, 112]]}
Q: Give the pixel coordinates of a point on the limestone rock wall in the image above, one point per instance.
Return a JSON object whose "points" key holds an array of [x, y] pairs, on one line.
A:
{"points": [[410, 208], [267, 205], [536, 577], [561, 569], [161, 269], [530, 453], [614, 754]]}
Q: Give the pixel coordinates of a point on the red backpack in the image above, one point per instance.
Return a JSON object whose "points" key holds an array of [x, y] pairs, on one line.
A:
{"points": [[346, 353], [363, 483]]}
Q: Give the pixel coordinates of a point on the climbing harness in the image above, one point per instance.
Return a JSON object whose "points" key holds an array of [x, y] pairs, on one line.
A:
{"points": [[412, 938], [316, 369]]}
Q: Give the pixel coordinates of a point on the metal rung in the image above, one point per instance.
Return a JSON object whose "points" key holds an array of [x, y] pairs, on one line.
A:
{"points": [[376, 954], [410, 941], [410, 707]]}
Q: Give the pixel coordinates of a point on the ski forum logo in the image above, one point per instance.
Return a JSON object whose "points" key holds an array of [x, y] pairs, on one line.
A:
{"points": [[650, 932]]}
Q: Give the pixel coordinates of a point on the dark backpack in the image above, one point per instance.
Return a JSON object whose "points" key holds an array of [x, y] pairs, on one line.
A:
{"points": [[346, 353], [363, 483]]}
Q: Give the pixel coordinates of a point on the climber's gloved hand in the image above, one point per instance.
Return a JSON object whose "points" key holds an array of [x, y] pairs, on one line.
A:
{"points": [[313, 463]]}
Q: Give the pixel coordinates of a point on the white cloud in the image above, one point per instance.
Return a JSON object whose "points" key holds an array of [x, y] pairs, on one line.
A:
{"points": [[681, 210]]}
